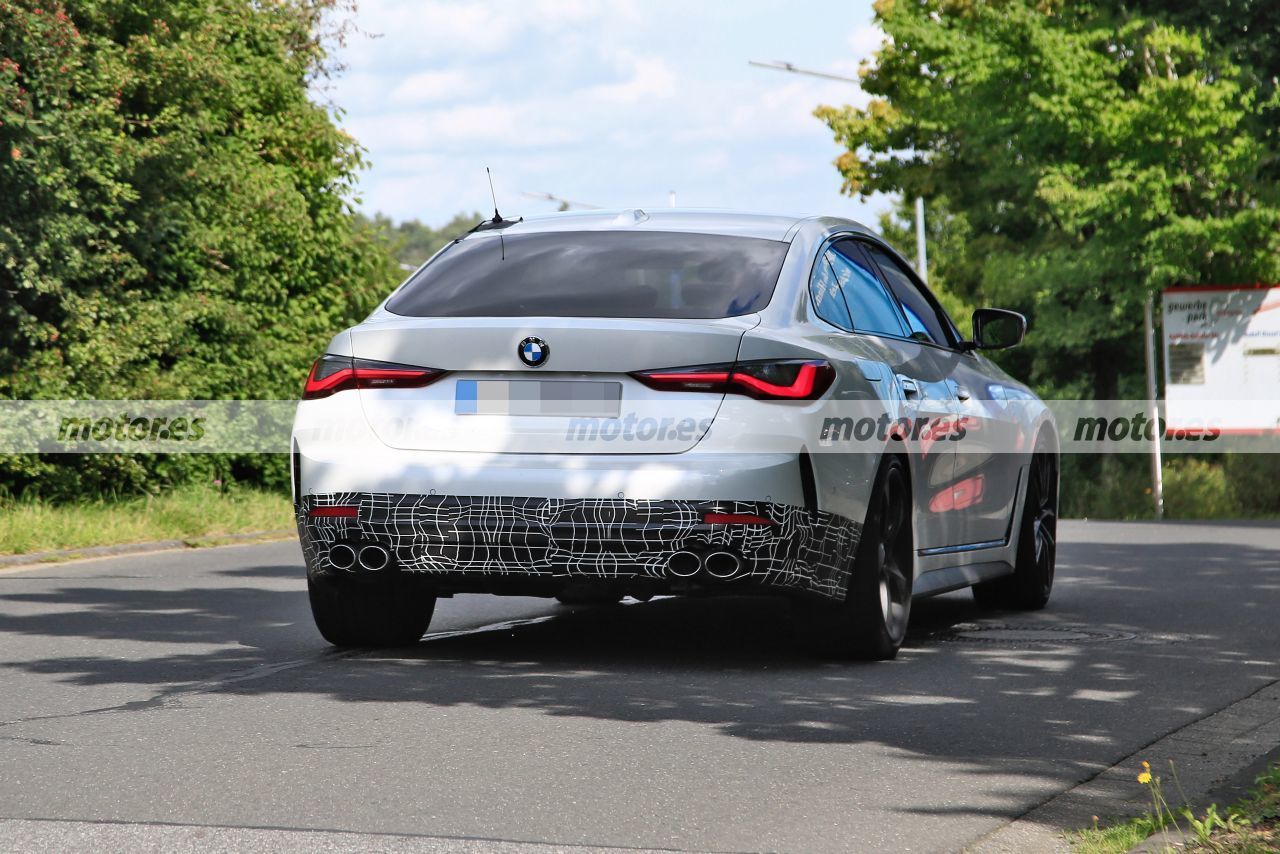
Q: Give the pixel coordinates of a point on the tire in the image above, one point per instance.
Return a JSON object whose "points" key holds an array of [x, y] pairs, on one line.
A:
{"points": [[356, 615], [1031, 583], [871, 623], [589, 594]]}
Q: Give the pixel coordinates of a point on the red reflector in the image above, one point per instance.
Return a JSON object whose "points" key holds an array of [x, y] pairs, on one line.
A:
{"points": [[735, 519], [334, 512]]}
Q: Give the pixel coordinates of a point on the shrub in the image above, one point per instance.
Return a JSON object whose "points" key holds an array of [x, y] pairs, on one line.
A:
{"points": [[1198, 489]]}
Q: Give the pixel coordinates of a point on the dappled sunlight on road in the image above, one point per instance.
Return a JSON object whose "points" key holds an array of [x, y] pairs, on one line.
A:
{"points": [[1140, 639]]}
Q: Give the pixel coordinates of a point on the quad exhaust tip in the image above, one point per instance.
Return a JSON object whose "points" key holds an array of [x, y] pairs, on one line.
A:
{"points": [[721, 565], [348, 556], [374, 558], [342, 556], [684, 564]]}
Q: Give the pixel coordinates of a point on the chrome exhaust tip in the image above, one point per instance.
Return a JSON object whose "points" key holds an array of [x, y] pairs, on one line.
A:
{"points": [[342, 556], [374, 558], [722, 565], [684, 564]]}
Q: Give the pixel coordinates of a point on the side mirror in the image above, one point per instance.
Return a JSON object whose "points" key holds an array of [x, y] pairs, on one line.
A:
{"points": [[997, 329]]}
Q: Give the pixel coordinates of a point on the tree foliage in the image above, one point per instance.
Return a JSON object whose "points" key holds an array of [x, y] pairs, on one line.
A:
{"points": [[175, 207], [1081, 157]]}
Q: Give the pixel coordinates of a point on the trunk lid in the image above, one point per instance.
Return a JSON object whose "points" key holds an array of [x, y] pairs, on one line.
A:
{"points": [[579, 400]]}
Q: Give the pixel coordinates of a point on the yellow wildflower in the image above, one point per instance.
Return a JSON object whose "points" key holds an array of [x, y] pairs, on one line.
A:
{"points": [[1144, 778]]}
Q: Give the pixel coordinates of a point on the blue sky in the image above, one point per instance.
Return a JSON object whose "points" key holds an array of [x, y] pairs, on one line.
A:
{"points": [[609, 103]]}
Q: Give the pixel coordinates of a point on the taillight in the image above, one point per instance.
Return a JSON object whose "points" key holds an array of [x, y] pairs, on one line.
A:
{"points": [[792, 379], [784, 380], [332, 374]]}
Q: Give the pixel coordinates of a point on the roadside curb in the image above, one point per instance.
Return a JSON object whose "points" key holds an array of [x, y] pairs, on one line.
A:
{"points": [[1211, 755], [90, 552]]}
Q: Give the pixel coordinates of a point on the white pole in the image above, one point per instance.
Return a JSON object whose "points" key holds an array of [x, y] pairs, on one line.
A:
{"points": [[922, 260], [671, 199], [1157, 477]]}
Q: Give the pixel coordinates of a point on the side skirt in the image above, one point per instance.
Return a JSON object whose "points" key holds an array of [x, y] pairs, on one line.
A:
{"points": [[956, 577]]}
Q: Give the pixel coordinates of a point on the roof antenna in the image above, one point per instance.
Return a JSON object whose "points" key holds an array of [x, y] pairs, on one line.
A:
{"points": [[495, 224], [497, 217]]}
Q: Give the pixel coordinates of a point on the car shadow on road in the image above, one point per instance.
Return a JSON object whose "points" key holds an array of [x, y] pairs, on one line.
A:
{"points": [[732, 664], [1178, 629]]}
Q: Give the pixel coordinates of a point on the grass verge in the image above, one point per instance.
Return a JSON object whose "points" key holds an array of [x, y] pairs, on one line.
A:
{"points": [[1249, 827], [1113, 838], [1252, 826], [185, 514]]}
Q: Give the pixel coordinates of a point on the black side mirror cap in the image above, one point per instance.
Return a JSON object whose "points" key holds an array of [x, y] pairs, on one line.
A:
{"points": [[996, 329]]}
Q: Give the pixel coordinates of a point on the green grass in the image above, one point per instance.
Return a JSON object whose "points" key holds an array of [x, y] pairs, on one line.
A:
{"points": [[1249, 827], [184, 514], [1256, 825], [1112, 839]]}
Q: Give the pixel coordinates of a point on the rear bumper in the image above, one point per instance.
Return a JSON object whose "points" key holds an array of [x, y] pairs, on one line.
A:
{"points": [[483, 543], [340, 466]]}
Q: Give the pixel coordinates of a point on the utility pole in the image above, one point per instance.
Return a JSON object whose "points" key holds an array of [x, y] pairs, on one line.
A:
{"points": [[1157, 474], [922, 258]]}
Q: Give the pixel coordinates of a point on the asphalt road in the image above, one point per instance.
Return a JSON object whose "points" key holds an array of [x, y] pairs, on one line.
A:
{"points": [[190, 688]]}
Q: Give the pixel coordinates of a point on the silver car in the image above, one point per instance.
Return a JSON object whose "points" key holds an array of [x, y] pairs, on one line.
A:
{"points": [[592, 406]]}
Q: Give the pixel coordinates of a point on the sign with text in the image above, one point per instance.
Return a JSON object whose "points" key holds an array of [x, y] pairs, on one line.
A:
{"points": [[1222, 342]]}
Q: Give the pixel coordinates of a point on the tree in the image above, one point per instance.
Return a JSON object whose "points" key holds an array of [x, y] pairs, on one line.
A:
{"points": [[413, 243], [175, 207], [1084, 157]]}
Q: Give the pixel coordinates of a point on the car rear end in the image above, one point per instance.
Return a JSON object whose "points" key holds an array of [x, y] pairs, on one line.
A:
{"points": [[544, 407]]}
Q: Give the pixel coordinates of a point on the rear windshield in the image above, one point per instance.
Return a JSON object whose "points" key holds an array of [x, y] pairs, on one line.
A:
{"points": [[596, 274]]}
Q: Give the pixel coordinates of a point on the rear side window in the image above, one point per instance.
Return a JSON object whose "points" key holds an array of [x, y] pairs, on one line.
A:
{"points": [[872, 308], [922, 315], [828, 297], [596, 274]]}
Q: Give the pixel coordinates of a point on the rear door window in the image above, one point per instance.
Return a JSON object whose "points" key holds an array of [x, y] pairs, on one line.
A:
{"points": [[596, 274]]}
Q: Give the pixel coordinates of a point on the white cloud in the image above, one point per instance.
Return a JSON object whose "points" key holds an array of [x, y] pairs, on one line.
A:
{"points": [[787, 110], [427, 86], [651, 77], [427, 29], [478, 127], [865, 41], [551, 14], [607, 103], [409, 31]]}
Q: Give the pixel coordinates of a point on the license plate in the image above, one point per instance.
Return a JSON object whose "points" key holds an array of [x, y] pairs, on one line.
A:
{"points": [[538, 397]]}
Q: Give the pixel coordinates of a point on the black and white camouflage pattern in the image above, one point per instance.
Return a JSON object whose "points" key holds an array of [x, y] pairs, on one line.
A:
{"points": [[585, 538]]}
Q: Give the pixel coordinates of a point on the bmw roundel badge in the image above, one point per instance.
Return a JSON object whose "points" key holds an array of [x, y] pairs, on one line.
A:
{"points": [[534, 352]]}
